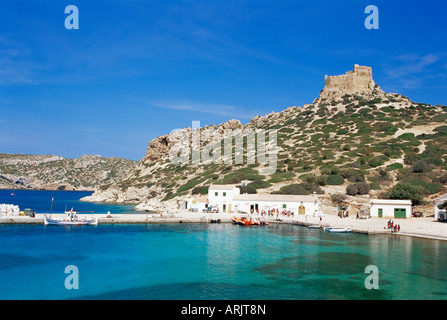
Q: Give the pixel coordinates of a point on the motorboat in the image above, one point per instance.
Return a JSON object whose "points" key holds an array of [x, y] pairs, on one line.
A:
{"points": [[337, 229], [248, 222], [78, 222], [314, 226], [72, 220]]}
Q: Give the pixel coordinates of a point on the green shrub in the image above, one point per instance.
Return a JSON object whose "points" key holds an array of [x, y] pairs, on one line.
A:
{"points": [[342, 131], [353, 175], [407, 136], [385, 127], [240, 175], [247, 189], [441, 129], [322, 180], [374, 186], [440, 118], [358, 188], [420, 166], [260, 184], [395, 166], [375, 161], [190, 184], [428, 188], [404, 190], [280, 176], [387, 109], [200, 190], [338, 197], [335, 179], [300, 189], [308, 177]]}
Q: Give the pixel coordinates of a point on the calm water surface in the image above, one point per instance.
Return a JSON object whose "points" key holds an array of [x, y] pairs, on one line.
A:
{"points": [[215, 261], [40, 201]]}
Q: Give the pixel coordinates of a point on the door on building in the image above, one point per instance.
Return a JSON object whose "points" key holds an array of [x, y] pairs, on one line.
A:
{"points": [[224, 208], [380, 213], [301, 209], [400, 213]]}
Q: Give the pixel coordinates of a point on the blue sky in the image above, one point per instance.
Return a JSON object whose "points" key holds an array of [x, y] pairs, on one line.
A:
{"points": [[136, 70]]}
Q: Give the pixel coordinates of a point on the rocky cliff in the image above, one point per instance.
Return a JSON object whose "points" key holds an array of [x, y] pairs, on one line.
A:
{"points": [[20, 171], [359, 142]]}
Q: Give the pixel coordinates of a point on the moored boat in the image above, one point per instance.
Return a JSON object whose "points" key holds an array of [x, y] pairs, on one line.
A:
{"points": [[337, 229], [314, 226], [248, 222], [72, 219], [77, 222]]}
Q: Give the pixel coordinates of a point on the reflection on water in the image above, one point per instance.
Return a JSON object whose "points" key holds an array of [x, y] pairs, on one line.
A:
{"points": [[216, 261]]}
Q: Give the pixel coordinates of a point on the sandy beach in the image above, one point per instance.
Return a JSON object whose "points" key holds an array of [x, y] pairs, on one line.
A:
{"points": [[418, 227]]}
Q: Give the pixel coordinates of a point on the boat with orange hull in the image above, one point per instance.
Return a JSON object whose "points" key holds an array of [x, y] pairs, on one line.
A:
{"points": [[248, 222]]}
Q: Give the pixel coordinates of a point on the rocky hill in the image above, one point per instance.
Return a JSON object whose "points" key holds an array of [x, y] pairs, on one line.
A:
{"points": [[20, 171], [354, 139]]}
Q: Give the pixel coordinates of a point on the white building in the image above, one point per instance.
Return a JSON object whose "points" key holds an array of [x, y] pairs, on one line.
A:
{"points": [[306, 205], [228, 199], [221, 196], [197, 204], [384, 208], [9, 210], [438, 201]]}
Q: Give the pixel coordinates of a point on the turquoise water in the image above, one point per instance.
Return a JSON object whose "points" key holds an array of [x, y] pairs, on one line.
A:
{"points": [[40, 201], [208, 261], [215, 261]]}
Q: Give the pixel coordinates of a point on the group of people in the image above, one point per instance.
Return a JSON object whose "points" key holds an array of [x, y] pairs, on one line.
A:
{"points": [[343, 214], [273, 213], [393, 227]]}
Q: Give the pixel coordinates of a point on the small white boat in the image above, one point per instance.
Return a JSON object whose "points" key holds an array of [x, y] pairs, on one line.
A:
{"points": [[77, 222], [337, 229], [314, 226], [72, 220]]}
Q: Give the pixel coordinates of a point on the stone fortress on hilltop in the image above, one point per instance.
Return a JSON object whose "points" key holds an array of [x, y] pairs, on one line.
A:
{"points": [[359, 80]]}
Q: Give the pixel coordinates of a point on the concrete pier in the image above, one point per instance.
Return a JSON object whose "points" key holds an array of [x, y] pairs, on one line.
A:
{"points": [[427, 228], [142, 218]]}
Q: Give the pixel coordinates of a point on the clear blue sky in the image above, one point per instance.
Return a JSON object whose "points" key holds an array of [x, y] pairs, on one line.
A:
{"points": [[136, 69]]}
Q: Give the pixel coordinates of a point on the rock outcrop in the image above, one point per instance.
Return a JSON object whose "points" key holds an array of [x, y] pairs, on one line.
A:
{"points": [[20, 171]]}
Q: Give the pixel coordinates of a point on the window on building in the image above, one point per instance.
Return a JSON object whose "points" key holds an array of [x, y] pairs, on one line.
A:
{"points": [[224, 194], [216, 194], [284, 206]]}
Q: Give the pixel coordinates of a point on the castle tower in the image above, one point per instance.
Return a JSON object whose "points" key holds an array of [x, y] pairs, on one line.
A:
{"points": [[357, 81]]}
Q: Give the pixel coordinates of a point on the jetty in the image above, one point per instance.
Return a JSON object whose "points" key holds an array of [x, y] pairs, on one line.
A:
{"points": [[142, 218]]}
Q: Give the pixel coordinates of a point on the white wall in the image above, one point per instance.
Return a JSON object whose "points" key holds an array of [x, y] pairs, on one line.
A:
{"points": [[220, 200], [388, 209], [196, 206], [244, 205]]}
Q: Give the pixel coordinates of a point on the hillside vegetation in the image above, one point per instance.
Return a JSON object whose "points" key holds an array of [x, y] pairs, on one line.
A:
{"points": [[355, 145]]}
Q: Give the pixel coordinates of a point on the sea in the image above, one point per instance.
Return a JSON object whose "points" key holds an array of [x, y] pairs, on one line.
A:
{"points": [[207, 261]]}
